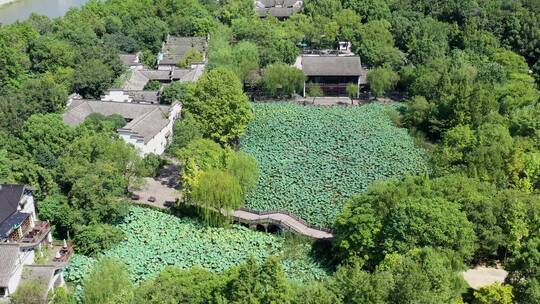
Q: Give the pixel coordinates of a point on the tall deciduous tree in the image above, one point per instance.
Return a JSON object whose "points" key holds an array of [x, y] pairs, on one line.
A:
{"points": [[220, 104], [216, 191], [92, 78], [245, 169], [494, 294], [173, 285], [375, 45], [47, 133], [263, 284]]}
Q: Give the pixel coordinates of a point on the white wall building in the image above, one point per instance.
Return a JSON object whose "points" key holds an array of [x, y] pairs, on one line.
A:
{"points": [[21, 237], [149, 126]]}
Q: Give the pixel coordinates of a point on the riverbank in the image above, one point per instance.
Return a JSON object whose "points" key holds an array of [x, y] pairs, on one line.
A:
{"points": [[4, 2], [18, 10]]}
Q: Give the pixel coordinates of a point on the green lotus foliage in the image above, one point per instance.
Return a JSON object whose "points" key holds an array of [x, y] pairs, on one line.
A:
{"points": [[156, 239], [312, 159]]}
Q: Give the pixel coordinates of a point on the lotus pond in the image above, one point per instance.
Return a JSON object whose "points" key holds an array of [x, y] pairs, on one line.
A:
{"points": [[156, 240], [312, 159]]}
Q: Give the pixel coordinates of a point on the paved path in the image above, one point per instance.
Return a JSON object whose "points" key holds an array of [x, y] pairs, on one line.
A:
{"points": [[483, 276], [285, 221]]}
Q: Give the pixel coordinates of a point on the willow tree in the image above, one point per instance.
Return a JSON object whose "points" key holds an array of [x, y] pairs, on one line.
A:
{"points": [[246, 169], [217, 193]]}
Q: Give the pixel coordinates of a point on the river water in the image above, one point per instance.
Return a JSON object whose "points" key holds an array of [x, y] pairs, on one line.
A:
{"points": [[21, 9]]}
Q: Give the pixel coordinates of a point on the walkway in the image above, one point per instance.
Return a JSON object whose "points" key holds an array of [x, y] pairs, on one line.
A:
{"points": [[484, 276], [285, 221]]}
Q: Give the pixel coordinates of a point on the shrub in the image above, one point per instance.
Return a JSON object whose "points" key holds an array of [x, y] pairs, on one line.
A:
{"points": [[30, 292], [314, 90], [95, 239]]}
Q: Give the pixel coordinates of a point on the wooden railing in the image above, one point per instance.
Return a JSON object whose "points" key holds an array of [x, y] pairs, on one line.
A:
{"points": [[65, 254], [295, 217], [37, 232]]}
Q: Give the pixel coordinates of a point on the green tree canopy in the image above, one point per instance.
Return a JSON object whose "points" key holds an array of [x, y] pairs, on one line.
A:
{"points": [[382, 80], [282, 80], [92, 78], [245, 169], [215, 191], [176, 91], [173, 285], [253, 283], [219, 103], [494, 294], [109, 283]]}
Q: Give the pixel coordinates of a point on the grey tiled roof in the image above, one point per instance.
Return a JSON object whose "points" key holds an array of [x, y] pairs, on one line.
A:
{"points": [[186, 75], [12, 223], [139, 78], [332, 66], [156, 74], [39, 273], [175, 48], [145, 119], [278, 8], [144, 96], [128, 59], [9, 254], [136, 81], [10, 196]]}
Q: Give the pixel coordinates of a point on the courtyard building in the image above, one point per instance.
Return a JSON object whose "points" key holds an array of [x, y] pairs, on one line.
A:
{"points": [[281, 9], [332, 73], [149, 127]]}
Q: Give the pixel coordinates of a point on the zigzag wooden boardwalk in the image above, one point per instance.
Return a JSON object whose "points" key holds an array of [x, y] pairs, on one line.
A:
{"points": [[164, 195], [282, 219]]}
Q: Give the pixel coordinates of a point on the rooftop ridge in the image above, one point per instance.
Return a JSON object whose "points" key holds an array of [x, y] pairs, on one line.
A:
{"points": [[137, 121]]}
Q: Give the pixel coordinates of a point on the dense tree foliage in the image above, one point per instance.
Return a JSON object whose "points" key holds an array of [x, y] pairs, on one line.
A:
{"points": [[193, 286], [215, 179], [282, 80], [221, 106], [390, 215]]}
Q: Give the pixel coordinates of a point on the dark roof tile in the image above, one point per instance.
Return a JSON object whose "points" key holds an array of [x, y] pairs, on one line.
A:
{"points": [[10, 196]]}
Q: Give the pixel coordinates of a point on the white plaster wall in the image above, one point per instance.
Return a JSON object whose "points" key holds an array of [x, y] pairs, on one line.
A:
{"points": [[127, 137], [165, 67], [25, 258], [29, 207], [159, 142], [116, 95]]}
